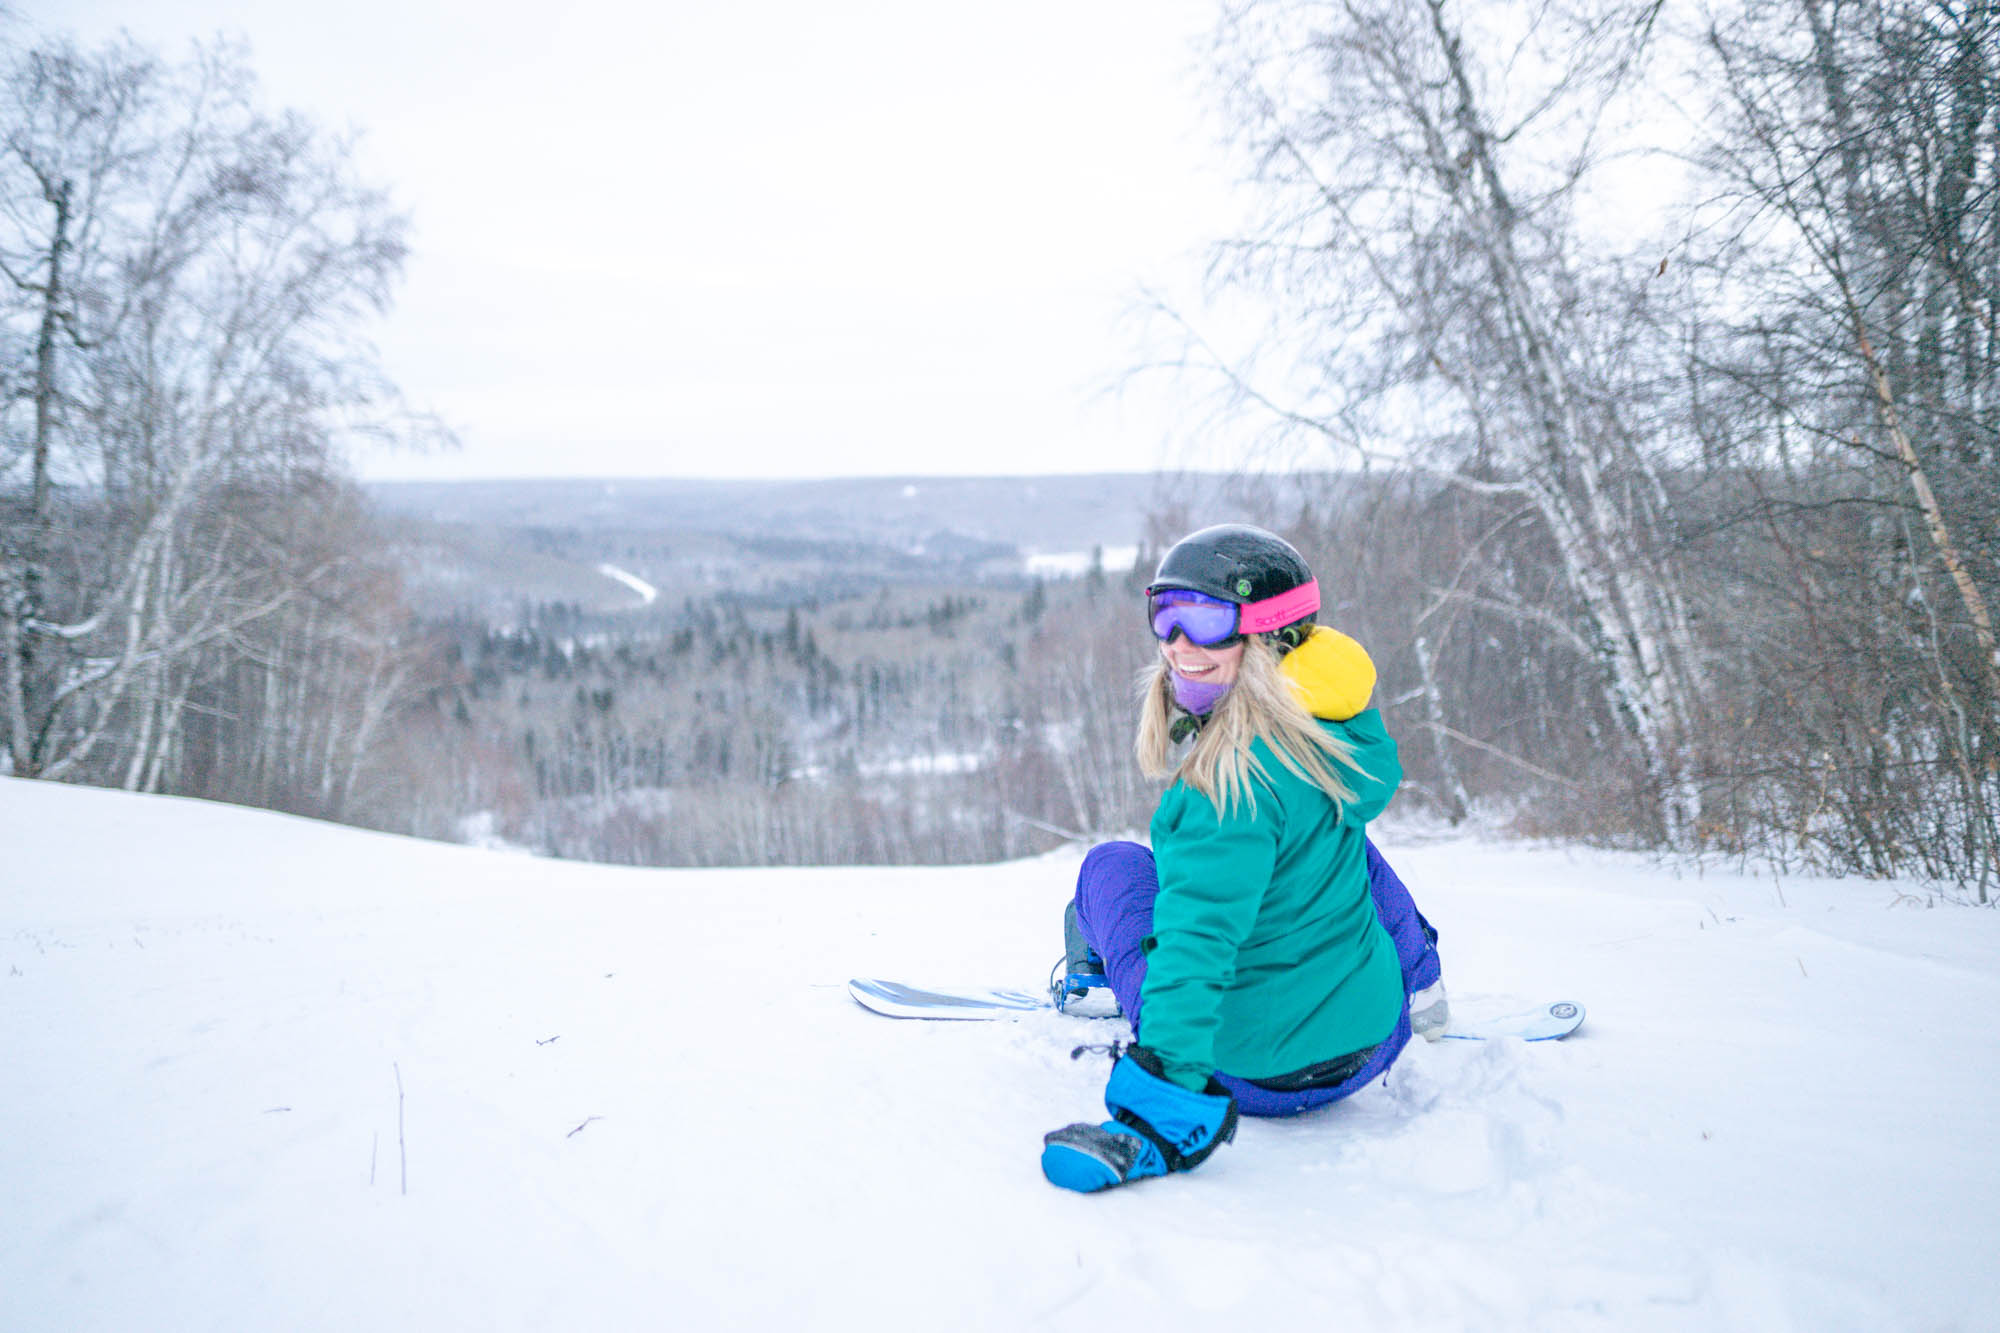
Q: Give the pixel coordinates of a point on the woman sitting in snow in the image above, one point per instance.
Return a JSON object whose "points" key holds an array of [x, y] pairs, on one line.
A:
{"points": [[1262, 935]]}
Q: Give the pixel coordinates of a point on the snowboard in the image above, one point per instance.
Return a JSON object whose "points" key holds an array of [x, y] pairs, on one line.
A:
{"points": [[895, 999]]}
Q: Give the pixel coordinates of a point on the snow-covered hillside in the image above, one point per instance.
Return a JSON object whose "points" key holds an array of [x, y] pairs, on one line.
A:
{"points": [[265, 1074]]}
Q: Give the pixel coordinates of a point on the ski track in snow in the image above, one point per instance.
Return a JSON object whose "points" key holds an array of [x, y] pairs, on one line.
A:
{"points": [[642, 1099], [647, 592]]}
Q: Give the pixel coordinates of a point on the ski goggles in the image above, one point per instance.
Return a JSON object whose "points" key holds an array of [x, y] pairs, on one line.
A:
{"points": [[1212, 622]]}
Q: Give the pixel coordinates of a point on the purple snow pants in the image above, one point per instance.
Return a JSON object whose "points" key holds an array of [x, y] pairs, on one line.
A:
{"points": [[1114, 909]]}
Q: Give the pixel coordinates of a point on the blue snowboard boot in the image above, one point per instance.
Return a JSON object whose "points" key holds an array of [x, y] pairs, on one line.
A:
{"points": [[1082, 971]]}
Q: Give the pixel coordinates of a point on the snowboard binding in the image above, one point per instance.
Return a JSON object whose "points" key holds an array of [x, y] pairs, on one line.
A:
{"points": [[1080, 970]]}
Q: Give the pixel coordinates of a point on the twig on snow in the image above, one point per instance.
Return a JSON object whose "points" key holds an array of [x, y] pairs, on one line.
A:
{"points": [[402, 1147]]}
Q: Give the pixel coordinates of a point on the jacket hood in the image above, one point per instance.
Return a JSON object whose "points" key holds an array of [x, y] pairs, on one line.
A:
{"points": [[1333, 674]]}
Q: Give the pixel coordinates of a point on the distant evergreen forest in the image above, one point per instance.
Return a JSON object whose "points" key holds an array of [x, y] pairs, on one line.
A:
{"points": [[910, 724]]}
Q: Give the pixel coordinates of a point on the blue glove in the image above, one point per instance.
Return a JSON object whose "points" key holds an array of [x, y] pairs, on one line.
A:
{"points": [[1157, 1126]]}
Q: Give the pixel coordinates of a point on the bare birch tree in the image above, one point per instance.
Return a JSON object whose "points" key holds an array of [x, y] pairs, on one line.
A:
{"points": [[190, 273], [1856, 147], [1419, 167]]}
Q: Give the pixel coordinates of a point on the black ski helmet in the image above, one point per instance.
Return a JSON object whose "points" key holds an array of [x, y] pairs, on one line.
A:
{"points": [[1242, 564]]}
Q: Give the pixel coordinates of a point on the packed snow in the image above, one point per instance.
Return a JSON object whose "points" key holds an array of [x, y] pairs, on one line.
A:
{"points": [[264, 1073]]}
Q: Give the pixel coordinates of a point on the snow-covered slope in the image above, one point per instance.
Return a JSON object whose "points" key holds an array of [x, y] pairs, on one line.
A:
{"points": [[641, 1100]]}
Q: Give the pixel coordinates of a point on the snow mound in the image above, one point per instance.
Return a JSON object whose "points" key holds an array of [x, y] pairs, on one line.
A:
{"points": [[267, 1073]]}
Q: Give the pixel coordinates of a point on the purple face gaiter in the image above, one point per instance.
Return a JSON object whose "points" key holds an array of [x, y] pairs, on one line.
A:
{"points": [[1197, 696]]}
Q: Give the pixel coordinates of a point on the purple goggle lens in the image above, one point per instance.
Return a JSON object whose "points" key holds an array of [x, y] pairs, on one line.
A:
{"points": [[1211, 621], [1205, 620]]}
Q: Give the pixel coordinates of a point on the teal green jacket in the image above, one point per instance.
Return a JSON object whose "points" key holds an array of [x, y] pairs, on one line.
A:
{"points": [[1267, 954]]}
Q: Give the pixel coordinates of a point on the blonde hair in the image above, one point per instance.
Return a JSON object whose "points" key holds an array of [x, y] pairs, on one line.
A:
{"points": [[1262, 703]]}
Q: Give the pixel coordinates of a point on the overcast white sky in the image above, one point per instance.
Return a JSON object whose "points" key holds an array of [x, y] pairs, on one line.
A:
{"points": [[764, 238]]}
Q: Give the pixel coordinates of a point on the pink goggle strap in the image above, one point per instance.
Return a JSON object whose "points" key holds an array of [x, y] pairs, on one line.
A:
{"points": [[1277, 612]]}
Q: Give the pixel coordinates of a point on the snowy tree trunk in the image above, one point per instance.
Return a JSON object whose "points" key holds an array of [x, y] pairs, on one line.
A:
{"points": [[1458, 799]]}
